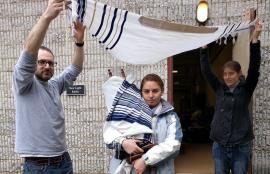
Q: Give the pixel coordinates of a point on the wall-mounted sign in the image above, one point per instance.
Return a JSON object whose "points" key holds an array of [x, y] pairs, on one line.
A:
{"points": [[76, 90]]}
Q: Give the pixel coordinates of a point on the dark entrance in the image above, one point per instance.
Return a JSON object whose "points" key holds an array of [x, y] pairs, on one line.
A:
{"points": [[194, 101]]}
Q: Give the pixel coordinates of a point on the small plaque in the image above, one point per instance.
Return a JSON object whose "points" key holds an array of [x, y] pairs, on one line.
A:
{"points": [[76, 90]]}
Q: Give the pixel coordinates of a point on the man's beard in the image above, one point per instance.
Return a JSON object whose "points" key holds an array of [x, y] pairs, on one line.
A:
{"points": [[43, 78]]}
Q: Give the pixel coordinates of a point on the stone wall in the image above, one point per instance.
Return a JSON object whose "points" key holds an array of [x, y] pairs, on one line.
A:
{"points": [[85, 114]]}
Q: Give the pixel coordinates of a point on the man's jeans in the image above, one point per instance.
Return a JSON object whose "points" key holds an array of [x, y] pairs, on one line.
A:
{"points": [[63, 167], [231, 158]]}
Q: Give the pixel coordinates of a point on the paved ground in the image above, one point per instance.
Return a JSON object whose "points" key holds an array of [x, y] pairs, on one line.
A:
{"points": [[195, 159]]}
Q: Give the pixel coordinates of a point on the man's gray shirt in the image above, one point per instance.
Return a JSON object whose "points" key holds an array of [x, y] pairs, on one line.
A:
{"points": [[40, 121]]}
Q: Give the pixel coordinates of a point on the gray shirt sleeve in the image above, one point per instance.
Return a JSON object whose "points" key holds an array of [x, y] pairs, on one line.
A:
{"points": [[24, 71], [25, 68], [66, 78]]}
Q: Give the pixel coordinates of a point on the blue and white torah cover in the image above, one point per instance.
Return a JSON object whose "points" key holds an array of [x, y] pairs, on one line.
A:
{"points": [[136, 39], [128, 114]]}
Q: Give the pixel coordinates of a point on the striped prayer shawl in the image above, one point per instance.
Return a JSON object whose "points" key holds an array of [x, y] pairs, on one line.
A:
{"points": [[137, 39], [128, 105]]}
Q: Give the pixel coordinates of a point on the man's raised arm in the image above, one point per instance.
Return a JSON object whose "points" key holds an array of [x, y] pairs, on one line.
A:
{"points": [[38, 32]]}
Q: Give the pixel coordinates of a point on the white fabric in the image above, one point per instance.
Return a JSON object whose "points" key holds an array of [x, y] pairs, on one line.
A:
{"points": [[111, 86], [119, 130], [116, 130], [123, 168], [166, 148], [139, 43]]}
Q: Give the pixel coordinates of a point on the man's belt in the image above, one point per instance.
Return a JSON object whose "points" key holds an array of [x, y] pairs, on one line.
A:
{"points": [[47, 160]]}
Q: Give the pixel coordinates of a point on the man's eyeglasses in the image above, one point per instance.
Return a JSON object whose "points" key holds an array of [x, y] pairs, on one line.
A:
{"points": [[45, 62]]}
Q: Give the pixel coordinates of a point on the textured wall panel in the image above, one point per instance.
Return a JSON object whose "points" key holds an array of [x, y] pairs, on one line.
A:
{"points": [[85, 114]]}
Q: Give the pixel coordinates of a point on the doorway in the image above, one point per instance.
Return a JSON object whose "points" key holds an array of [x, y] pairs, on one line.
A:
{"points": [[194, 102]]}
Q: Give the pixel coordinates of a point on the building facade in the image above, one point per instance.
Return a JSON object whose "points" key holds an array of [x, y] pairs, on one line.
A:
{"points": [[85, 114]]}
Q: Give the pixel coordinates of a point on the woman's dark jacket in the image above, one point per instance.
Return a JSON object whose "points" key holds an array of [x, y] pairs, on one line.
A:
{"points": [[231, 123]]}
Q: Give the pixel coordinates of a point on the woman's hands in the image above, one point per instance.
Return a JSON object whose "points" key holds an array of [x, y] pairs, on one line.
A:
{"points": [[256, 32], [130, 146], [139, 166]]}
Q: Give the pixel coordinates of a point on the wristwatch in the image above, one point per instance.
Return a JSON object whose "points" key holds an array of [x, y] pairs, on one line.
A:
{"points": [[79, 44]]}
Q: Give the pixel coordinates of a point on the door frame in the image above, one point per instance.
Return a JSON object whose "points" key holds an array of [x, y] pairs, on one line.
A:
{"points": [[170, 80]]}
